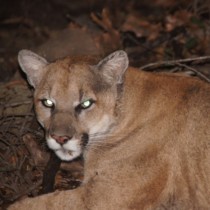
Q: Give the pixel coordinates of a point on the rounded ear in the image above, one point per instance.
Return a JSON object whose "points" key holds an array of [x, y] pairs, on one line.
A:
{"points": [[114, 66], [33, 66]]}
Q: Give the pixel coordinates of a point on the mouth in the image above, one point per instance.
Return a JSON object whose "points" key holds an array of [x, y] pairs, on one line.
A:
{"points": [[69, 152], [71, 149], [68, 155]]}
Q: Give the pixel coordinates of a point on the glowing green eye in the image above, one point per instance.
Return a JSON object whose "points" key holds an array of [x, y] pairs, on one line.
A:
{"points": [[86, 104], [48, 103]]}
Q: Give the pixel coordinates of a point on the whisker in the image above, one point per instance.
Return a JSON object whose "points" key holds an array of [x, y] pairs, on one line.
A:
{"points": [[102, 145], [99, 147], [100, 141], [104, 136], [98, 134]]}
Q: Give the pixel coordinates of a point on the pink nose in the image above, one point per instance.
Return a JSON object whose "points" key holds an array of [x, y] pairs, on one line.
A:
{"points": [[60, 139]]}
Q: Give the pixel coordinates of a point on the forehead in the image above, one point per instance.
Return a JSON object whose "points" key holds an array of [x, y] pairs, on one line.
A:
{"points": [[66, 74], [68, 79]]}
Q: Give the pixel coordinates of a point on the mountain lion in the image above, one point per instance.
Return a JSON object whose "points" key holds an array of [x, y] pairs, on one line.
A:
{"points": [[145, 137]]}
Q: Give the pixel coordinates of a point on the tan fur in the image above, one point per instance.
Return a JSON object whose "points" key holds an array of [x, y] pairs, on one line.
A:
{"points": [[156, 154]]}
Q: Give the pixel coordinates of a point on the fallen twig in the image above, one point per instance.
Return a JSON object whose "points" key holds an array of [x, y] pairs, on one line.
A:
{"points": [[24, 192], [16, 104], [173, 62], [196, 71], [180, 63]]}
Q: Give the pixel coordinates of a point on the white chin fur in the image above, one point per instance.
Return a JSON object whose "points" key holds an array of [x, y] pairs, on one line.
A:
{"points": [[68, 151]]}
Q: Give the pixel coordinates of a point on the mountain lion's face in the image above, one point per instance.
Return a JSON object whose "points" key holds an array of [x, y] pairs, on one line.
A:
{"points": [[73, 105], [74, 101]]}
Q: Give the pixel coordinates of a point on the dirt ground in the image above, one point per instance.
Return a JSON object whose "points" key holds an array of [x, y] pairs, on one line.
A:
{"points": [[158, 35]]}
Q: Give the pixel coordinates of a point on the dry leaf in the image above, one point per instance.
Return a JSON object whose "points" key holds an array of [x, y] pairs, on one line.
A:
{"points": [[110, 38], [141, 27], [179, 18], [39, 156]]}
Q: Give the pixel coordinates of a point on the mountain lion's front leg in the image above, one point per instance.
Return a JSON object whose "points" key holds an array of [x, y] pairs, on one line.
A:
{"points": [[70, 199]]}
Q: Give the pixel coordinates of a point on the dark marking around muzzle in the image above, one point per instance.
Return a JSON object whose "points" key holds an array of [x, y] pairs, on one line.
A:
{"points": [[85, 139]]}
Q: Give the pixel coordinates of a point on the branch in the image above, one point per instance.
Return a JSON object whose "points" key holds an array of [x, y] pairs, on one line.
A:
{"points": [[179, 62], [173, 62], [196, 71]]}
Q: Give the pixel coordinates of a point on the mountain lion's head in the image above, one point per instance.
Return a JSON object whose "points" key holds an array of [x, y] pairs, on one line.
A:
{"points": [[75, 102]]}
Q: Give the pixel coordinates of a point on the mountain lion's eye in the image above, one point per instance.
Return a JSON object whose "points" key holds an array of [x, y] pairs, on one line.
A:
{"points": [[47, 103], [86, 104]]}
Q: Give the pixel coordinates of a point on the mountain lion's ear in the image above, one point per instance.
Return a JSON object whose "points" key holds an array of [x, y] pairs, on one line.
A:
{"points": [[114, 66], [32, 64]]}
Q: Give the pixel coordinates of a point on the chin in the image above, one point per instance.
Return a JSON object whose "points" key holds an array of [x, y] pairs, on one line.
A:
{"points": [[67, 155]]}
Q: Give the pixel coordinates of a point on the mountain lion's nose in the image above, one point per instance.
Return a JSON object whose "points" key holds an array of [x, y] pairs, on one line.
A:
{"points": [[61, 139]]}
